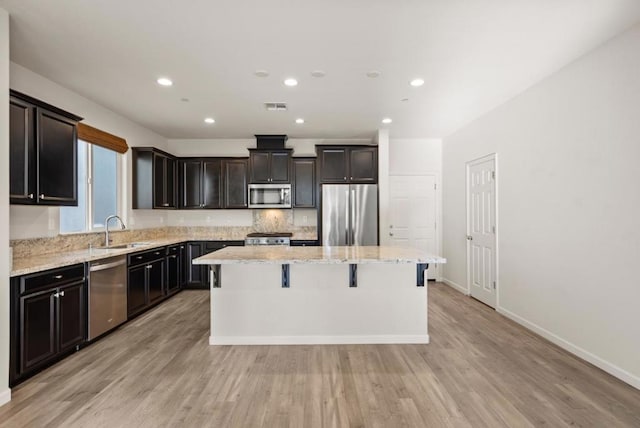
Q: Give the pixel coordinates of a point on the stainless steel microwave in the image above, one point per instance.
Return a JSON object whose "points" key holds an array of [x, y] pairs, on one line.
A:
{"points": [[269, 195]]}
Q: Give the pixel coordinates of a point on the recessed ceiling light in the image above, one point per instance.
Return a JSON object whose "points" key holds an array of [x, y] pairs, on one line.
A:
{"points": [[373, 74], [209, 120], [300, 121], [164, 81], [291, 81], [318, 73], [417, 82], [387, 120], [261, 73]]}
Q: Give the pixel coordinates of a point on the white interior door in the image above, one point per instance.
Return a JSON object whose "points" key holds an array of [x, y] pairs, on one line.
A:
{"points": [[481, 229], [412, 214]]}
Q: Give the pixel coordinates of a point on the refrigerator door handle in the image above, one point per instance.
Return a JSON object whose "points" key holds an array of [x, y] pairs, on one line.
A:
{"points": [[346, 217], [353, 217]]}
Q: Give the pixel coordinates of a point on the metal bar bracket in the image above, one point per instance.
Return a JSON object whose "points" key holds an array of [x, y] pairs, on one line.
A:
{"points": [[215, 277], [285, 276], [353, 276], [421, 268]]}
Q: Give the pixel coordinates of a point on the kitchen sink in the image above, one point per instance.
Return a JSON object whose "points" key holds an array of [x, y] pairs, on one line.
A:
{"points": [[123, 246]]}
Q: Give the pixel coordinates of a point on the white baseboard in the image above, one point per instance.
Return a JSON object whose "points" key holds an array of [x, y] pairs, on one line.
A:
{"points": [[608, 367], [318, 340], [5, 396], [456, 286]]}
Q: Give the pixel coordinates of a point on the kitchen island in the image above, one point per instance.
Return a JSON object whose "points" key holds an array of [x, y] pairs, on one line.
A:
{"points": [[269, 295]]}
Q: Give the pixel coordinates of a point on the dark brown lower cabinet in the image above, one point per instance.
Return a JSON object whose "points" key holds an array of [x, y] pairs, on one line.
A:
{"points": [[198, 275], [48, 319], [146, 280], [174, 262]]}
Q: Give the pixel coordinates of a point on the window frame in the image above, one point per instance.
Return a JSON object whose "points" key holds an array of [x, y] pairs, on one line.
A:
{"points": [[88, 159]]}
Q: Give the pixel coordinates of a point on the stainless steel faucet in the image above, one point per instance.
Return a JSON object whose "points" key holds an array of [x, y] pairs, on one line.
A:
{"points": [[107, 241]]}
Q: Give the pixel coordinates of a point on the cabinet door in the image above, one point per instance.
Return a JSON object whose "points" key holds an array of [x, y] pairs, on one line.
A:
{"points": [[235, 183], [37, 329], [156, 280], [71, 316], [170, 187], [21, 153], [190, 184], [333, 165], [173, 272], [195, 273], [259, 162], [136, 289], [280, 162], [57, 159], [363, 165], [184, 265], [212, 184], [304, 183], [163, 181]]}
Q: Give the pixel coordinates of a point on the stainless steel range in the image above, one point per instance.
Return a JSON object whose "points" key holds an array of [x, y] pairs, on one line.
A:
{"points": [[275, 238]]}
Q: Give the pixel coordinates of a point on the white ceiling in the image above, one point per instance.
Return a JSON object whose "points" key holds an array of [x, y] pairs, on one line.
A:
{"points": [[473, 55]]}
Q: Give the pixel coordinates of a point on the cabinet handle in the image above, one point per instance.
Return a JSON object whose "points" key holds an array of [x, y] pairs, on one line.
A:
{"points": [[351, 178], [30, 196], [148, 266], [157, 253], [57, 277], [56, 295], [165, 205], [182, 247], [344, 178], [42, 196], [61, 294], [138, 257]]}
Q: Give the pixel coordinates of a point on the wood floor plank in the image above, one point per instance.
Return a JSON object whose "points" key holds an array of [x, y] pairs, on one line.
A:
{"points": [[480, 370]]}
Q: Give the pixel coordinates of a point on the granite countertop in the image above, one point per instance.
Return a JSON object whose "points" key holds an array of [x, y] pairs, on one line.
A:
{"points": [[26, 265], [317, 255]]}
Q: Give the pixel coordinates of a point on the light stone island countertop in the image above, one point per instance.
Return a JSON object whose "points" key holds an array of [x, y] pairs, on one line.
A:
{"points": [[275, 254]]}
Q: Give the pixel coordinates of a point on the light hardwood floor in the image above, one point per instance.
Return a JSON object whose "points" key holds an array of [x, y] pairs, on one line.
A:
{"points": [[479, 370]]}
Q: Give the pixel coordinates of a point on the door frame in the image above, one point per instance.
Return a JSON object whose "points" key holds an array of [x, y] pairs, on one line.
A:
{"points": [[491, 156]]}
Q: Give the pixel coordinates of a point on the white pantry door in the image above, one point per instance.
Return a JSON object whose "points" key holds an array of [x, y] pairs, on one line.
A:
{"points": [[412, 214], [481, 229]]}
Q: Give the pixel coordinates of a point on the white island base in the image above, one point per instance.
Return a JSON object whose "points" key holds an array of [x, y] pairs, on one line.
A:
{"points": [[251, 307]]}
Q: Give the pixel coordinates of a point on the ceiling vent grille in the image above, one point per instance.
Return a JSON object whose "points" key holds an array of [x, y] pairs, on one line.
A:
{"points": [[276, 106]]}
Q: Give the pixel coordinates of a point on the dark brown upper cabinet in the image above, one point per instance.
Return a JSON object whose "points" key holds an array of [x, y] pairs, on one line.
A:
{"points": [[270, 166], [304, 182], [154, 179], [43, 158], [235, 173], [200, 183], [348, 164]]}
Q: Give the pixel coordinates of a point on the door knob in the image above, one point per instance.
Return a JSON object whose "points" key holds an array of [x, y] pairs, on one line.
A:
{"points": [[469, 238]]}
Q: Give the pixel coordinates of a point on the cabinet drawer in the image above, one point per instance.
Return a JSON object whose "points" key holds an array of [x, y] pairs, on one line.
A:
{"points": [[146, 256], [174, 249], [51, 278]]}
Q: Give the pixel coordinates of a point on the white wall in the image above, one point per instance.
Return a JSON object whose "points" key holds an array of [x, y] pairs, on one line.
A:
{"points": [[569, 206], [5, 393], [31, 222]]}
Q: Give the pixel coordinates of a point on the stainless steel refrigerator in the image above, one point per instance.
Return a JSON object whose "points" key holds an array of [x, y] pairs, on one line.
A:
{"points": [[349, 214]]}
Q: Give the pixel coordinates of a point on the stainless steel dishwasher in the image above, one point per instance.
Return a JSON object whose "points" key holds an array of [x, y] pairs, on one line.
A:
{"points": [[107, 295]]}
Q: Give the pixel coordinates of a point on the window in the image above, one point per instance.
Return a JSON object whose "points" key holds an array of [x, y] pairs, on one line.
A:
{"points": [[98, 190]]}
